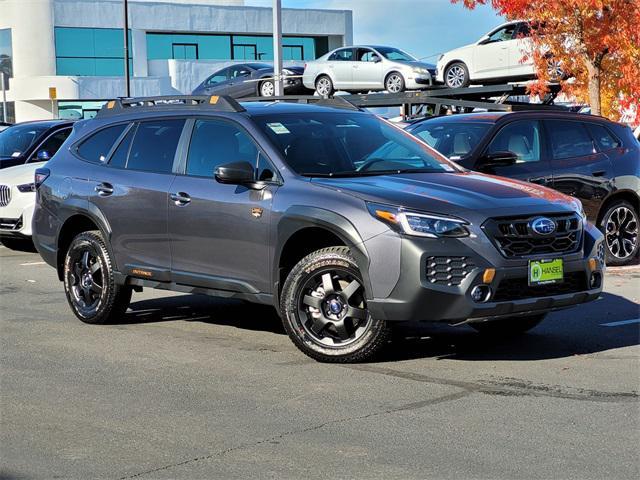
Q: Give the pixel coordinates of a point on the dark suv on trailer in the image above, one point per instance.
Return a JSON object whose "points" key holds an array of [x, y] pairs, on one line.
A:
{"points": [[588, 157], [340, 220]]}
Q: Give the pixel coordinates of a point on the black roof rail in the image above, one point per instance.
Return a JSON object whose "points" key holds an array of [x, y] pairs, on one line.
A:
{"points": [[219, 103], [338, 101]]}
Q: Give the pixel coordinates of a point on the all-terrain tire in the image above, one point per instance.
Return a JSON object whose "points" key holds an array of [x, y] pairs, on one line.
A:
{"points": [[89, 280], [369, 335]]}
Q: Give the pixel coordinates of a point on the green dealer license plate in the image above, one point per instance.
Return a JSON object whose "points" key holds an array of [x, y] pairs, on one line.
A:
{"points": [[543, 272]]}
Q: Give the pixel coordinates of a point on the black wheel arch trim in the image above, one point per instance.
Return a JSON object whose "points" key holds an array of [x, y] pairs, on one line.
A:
{"points": [[297, 218]]}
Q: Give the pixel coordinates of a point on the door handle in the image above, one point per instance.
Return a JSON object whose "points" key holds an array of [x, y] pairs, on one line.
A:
{"points": [[104, 189], [538, 180], [599, 173], [180, 199]]}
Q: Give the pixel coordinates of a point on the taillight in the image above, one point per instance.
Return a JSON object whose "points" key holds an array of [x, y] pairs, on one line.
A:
{"points": [[41, 175]]}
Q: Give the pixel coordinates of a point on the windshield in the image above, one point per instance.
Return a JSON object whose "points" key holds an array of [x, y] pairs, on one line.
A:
{"points": [[453, 140], [348, 144], [391, 53], [14, 141]]}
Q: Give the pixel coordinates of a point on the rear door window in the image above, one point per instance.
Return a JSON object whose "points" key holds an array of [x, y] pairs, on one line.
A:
{"points": [[154, 145], [96, 148], [569, 139], [345, 55], [119, 157]]}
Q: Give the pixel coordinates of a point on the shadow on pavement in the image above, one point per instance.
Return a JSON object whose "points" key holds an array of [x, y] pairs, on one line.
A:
{"points": [[576, 331], [202, 308]]}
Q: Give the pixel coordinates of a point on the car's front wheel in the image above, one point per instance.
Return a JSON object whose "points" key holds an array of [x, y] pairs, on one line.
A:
{"points": [[509, 326], [620, 228], [324, 309], [324, 86], [394, 83], [456, 75], [89, 280], [267, 88]]}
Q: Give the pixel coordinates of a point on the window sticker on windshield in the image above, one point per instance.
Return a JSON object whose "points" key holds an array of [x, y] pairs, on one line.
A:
{"points": [[278, 128], [17, 154], [448, 168]]}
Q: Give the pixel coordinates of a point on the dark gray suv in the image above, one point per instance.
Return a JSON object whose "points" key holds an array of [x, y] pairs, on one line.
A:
{"points": [[340, 220]]}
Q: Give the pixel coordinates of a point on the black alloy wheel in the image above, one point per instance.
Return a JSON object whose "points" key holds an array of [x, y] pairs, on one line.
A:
{"points": [[620, 228], [324, 309]]}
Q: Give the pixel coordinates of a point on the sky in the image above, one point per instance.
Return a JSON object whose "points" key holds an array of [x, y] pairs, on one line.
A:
{"points": [[424, 28]]}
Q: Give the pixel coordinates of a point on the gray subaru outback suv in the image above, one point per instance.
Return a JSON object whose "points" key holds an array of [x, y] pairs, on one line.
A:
{"points": [[340, 220]]}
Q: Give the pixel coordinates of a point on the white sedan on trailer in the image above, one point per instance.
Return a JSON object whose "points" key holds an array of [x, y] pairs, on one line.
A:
{"points": [[17, 199], [497, 56]]}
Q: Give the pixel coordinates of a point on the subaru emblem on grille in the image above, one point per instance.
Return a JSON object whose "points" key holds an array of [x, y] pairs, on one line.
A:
{"points": [[543, 226]]}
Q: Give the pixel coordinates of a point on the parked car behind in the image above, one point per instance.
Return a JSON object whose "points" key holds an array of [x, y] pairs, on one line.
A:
{"points": [[340, 220], [17, 199], [32, 141], [366, 68], [588, 157], [4, 126], [497, 56], [249, 80]]}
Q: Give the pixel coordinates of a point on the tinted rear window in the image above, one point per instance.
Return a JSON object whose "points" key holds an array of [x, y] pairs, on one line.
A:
{"points": [[97, 146], [603, 137], [154, 145], [569, 139]]}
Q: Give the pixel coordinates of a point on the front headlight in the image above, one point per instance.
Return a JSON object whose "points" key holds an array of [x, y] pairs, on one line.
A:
{"points": [[423, 71], [27, 187], [579, 208], [285, 71], [418, 224]]}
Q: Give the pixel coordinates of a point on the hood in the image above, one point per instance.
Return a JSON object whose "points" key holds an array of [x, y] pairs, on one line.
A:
{"points": [[463, 194], [298, 70], [456, 51], [20, 174], [418, 64]]}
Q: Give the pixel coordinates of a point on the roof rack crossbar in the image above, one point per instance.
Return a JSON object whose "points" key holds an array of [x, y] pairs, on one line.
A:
{"points": [[337, 101], [218, 103]]}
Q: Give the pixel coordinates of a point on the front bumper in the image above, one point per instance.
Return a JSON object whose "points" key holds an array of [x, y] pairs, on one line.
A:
{"points": [[16, 222], [293, 86], [417, 81], [417, 297]]}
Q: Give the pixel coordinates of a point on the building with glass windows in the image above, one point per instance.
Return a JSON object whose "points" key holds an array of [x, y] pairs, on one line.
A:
{"points": [[74, 49]]}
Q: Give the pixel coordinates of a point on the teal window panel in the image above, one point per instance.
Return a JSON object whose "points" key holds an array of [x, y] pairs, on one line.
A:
{"points": [[6, 52], [76, 66], [214, 47], [74, 42]]}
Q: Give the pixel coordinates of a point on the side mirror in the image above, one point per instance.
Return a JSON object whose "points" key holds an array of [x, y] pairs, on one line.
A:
{"points": [[376, 59], [43, 155], [498, 159], [484, 40], [236, 173]]}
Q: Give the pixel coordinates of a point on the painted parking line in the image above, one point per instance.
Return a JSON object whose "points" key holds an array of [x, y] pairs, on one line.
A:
{"points": [[620, 322], [31, 263]]}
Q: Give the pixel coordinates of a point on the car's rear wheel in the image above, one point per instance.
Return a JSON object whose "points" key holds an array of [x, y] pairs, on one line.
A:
{"points": [[89, 281], [394, 83], [267, 89], [456, 75], [324, 86], [508, 326], [620, 228], [324, 309]]}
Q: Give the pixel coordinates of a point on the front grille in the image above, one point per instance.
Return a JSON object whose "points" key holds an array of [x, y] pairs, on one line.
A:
{"points": [[518, 288], [514, 237], [5, 195], [11, 223], [448, 270]]}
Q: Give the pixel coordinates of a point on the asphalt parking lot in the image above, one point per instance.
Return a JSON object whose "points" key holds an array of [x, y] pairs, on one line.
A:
{"points": [[195, 387]]}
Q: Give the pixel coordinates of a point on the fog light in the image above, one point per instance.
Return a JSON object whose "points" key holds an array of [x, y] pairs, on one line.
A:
{"points": [[480, 293], [596, 280]]}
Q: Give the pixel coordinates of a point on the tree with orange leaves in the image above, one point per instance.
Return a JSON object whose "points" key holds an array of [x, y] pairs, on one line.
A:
{"points": [[597, 43]]}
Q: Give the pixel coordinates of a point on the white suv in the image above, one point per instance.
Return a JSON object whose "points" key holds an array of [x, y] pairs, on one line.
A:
{"points": [[496, 56], [367, 68], [17, 199]]}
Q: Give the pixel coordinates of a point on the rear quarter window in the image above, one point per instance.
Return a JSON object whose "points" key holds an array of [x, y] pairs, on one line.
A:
{"points": [[97, 146], [604, 139]]}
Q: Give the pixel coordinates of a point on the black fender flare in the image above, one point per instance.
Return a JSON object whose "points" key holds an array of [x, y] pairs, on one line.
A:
{"points": [[297, 218]]}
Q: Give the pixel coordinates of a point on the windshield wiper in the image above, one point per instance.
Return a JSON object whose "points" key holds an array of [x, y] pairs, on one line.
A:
{"points": [[356, 173]]}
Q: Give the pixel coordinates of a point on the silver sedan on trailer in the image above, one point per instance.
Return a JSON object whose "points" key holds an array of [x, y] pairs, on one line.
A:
{"points": [[365, 68]]}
